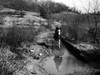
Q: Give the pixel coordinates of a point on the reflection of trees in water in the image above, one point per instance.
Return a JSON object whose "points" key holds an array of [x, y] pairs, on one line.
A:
{"points": [[58, 61]]}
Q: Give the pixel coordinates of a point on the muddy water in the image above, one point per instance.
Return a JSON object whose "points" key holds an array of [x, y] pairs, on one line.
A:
{"points": [[69, 65]]}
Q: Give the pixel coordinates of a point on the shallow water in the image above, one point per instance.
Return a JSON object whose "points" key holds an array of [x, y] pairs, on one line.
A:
{"points": [[50, 65], [68, 65]]}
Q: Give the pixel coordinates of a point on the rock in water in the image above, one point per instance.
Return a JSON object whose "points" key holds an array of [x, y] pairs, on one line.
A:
{"points": [[58, 61]]}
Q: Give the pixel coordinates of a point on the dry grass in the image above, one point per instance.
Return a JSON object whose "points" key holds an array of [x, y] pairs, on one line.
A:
{"points": [[15, 36], [8, 64]]}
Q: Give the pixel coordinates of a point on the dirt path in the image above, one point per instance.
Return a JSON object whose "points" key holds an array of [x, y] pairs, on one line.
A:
{"points": [[44, 35]]}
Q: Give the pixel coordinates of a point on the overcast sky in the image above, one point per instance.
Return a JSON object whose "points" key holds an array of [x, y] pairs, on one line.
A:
{"points": [[79, 4]]}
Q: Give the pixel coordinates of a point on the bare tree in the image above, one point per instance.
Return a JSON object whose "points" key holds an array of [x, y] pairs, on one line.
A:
{"points": [[92, 18], [96, 18]]}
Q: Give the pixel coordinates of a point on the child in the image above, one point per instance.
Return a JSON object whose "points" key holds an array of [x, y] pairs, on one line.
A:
{"points": [[57, 35]]}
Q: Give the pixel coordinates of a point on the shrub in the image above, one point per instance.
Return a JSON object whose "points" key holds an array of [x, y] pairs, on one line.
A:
{"points": [[16, 36], [43, 12], [8, 64]]}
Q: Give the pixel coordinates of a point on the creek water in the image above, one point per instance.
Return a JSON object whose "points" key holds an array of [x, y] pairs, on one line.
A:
{"points": [[68, 64]]}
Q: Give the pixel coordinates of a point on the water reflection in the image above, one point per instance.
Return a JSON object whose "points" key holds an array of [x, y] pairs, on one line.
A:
{"points": [[50, 65], [53, 65], [57, 60], [66, 64]]}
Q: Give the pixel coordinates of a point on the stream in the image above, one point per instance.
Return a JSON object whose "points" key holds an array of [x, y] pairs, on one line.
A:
{"points": [[66, 64]]}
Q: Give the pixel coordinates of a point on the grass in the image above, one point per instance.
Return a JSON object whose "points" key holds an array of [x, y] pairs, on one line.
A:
{"points": [[15, 36], [10, 39], [8, 64]]}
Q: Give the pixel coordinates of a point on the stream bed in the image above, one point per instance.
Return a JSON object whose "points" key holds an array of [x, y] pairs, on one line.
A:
{"points": [[66, 64]]}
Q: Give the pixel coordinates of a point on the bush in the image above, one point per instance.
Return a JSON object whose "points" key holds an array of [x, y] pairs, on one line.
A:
{"points": [[16, 36], [1, 20], [8, 64], [43, 12]]}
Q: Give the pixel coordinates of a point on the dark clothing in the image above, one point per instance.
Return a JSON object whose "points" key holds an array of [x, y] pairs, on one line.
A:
{"points": [[56, 35]]}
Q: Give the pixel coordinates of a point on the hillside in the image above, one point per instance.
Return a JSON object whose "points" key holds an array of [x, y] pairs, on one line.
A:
{"points": [[28, 47], [29, 55]]}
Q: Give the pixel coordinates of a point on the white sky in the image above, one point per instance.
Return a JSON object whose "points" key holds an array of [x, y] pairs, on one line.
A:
{"points": [[82, 5]]}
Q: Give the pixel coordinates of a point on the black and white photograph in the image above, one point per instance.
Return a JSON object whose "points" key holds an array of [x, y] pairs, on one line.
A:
{"points": [[49, 37]]}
